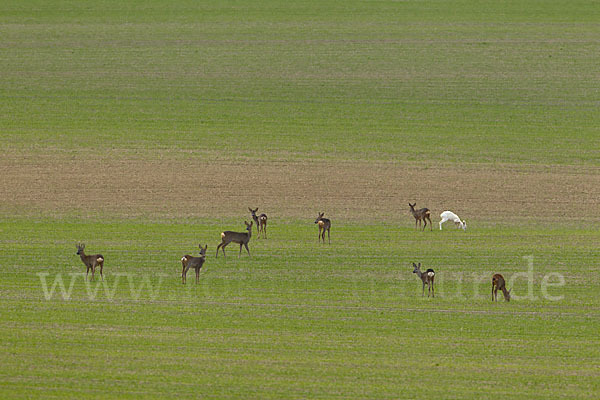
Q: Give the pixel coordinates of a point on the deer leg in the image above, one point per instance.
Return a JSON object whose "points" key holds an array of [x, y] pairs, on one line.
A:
{"points": [[247, 249], [197, 275], [93, 271], [240, 250], [328, 236], [185, 273], [223, 249], [430, 224], [423, 293], [86, 273]]}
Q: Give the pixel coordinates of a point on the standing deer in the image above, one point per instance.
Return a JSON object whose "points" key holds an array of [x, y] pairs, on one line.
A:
{"points": [[261, 222], [188, 262], [427, 279], [423, 214], [499, 283], [91, 262], [236, 237], [324, 225], [450, 216]]}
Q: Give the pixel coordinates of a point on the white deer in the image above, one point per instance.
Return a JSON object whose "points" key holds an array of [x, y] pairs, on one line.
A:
{"points": [[450, 216]]}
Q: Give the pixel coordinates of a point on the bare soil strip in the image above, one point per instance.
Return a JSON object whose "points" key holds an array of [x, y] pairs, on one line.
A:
{"points": [[172, 186]]}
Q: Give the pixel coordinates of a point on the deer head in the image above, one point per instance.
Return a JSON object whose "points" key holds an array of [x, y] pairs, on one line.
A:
{"points": [[417, 268], [248, 226], [319, 217], [203, 250], [80, 248]]}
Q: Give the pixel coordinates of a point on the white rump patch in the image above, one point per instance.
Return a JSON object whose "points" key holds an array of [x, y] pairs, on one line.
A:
{"points": [[183, 258], [430, 274], [99, 259], [222, 235]]}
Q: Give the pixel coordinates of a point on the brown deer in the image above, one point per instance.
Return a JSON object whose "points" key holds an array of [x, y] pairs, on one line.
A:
{"points": [[422, 214], [427, 279], [324, 225], [261, 222], [498, 282], [236, 237], [188, 262], [91, 262]]}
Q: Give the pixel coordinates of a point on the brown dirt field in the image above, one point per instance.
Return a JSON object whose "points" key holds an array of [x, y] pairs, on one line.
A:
{"points": [[171, 186]]}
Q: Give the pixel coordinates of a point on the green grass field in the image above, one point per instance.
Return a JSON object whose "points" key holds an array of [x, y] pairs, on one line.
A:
{"points": [[164, 99]]}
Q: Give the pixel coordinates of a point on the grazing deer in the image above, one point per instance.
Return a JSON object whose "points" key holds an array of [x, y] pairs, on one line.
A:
{"points": [[91, 262], [450, 216], [261, 222], [423, 214], [236, 237], [188, 262], [499, 283], [324, 225], [427, 279]]}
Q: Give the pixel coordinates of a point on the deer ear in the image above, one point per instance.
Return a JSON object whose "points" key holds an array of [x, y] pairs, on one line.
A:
{"points": [[419, 265]]}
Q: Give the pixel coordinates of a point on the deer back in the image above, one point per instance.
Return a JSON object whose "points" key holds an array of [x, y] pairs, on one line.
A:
{"points": [[498, 281], [195, 262], [420, 213], [238, 237], [90, 260], [324, 223]]}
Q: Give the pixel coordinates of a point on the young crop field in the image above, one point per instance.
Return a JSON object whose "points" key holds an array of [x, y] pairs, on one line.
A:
{"points": [[146, 128]]}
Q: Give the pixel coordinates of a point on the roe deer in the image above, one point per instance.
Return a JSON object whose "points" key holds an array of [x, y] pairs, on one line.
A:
{"points": [[188, 262], [236, 237], [324, 225], [421, 214], [91, 262], [427, 278], [450, 216], [261, 222], [499, 283]]}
